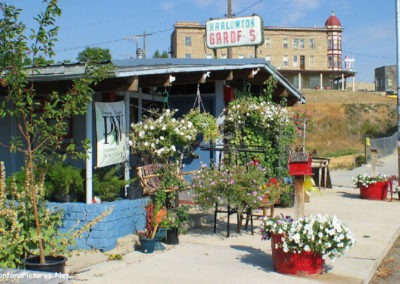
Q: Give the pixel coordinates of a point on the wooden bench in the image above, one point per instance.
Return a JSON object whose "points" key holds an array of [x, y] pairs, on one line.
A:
{"points": [[150, 178]]}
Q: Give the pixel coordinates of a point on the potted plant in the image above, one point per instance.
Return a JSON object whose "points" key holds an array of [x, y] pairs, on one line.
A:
{"points": [[41, 119], [154, 218], [162, 137], [300, 247], [372, 187], [237, 186], [175, 223], [205, 124]]}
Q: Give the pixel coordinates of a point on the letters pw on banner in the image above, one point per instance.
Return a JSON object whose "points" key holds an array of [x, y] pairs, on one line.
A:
{"points": [[111, 133], [240, 31]]}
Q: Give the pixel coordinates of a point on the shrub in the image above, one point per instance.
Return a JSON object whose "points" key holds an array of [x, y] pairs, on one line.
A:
{"points": [[64, 183]]}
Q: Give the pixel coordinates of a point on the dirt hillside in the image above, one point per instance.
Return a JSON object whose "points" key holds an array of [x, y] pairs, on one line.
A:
{"points": [[343, 119]]}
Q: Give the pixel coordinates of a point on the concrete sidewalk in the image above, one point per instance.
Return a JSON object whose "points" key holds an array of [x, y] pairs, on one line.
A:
{"points": [[205, 257]]}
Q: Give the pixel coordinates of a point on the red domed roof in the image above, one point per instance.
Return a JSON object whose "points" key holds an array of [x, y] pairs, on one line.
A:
{"points": [[333, 21]]}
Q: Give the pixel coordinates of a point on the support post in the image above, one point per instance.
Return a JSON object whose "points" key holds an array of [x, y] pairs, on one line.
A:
{"points": [[398, 82], [299, 196], [374, 161], [89, 154], [127, 166]]}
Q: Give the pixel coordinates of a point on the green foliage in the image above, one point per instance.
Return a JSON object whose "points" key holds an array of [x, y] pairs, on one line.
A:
{"points": [[114, 256], [94, 54], [286, 194], [257, 123], [64, 183], [108, 183], [39, 134], [238, 186], [360, 160], [157, 54], [17, 225], [177, 218], [205, 124], [157, 140]]}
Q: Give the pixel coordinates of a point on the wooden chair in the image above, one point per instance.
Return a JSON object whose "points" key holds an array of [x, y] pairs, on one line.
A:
{"points": [[250, 213], [150, 178]]}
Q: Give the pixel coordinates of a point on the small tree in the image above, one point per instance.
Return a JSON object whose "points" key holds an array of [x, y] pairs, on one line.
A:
{"points": [[40, 134], [157, 54], [95, 54]]}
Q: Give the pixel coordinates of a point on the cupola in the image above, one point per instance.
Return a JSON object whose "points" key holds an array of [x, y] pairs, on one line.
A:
{"points": [[333, 21]]}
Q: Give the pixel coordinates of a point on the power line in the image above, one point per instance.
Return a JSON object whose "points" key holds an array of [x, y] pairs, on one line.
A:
{"points": [[107, 42], [365, 55], [249, 7]]}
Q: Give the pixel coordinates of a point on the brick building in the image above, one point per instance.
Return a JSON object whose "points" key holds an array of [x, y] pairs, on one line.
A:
{"points": [[310, 58]]}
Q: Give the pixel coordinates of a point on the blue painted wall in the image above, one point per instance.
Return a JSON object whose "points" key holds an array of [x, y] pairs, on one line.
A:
{"points": [[127, 217]]}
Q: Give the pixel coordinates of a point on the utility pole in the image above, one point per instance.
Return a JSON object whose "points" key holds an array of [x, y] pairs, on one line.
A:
{"points": [[398, 83], [136, 37], [229, 49]]}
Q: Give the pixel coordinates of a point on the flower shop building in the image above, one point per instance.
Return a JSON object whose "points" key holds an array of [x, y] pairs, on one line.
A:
{"points": [[140, 85]]}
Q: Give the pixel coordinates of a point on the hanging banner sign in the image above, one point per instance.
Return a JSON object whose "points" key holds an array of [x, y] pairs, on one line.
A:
{"points": [[240, 31], [111, 133]]}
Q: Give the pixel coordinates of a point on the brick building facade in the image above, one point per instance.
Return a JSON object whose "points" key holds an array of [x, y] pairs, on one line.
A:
{"points": [[310, 58]]}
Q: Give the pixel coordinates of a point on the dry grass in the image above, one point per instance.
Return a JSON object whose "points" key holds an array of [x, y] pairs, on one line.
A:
{"points": [[344, 119], [385, 269]]}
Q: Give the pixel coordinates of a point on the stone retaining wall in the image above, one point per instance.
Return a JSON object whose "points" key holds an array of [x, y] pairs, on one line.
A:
{"points": [[127, 217]]}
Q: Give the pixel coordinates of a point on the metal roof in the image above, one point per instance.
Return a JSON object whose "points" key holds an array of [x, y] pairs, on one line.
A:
{"points": [[154, 71]]}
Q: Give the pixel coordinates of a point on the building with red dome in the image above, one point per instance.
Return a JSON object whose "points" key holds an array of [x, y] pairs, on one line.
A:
{"points": [[310, 58]]}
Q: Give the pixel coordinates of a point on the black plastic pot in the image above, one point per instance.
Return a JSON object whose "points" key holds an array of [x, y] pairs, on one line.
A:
{"points": [[172, 237], [53, 263]]}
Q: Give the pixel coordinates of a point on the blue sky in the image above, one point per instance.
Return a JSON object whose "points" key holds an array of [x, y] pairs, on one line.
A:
{"points": [[369, 25]]}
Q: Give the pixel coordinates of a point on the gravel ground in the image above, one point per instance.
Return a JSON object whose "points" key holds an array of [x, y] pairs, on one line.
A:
{"points": [[389, 270]]}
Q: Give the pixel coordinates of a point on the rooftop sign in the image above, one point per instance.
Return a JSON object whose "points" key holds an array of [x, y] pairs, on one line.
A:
{"points": [[240, 31]]}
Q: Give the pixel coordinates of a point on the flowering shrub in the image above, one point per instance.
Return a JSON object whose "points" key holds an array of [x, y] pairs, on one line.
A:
{"points": [[253, 122], [366, 180], [321, 234], [238, 186], [163, 137], [177, 219], [280, 191]]}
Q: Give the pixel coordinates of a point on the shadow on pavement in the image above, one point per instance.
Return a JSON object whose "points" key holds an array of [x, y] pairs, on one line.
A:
{"points": [[255, 257]]}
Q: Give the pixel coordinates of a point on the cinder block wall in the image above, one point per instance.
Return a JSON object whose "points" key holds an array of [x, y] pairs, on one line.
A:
{"points": [[127, 217]]}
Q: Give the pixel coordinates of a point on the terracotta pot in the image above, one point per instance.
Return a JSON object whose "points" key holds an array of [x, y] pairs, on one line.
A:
{"points": [[301, 264], [375, 191]]}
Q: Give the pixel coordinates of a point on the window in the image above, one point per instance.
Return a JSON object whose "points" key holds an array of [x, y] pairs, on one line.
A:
{"points": [[188, 41], [335, 43], [188, 55], [268, 42], [268, 58], [285, 43], [295, 61], [295, 43], [330, 63], [311, 61], [285, 61], [301, 43], [330, 44], [312, 43]]}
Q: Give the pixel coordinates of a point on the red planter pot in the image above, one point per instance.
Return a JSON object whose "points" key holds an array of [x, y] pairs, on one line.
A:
{"points": [[375, 191], [301, 264]]}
